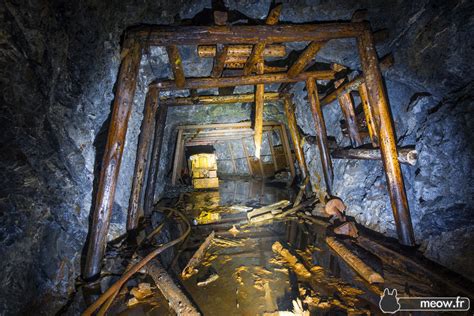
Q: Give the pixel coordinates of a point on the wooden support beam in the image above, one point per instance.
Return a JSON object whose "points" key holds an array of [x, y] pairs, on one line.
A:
{"points": [[321, 134], [295, 135], [249, 164], [218, 99], [155, 158], [257, 52], [276, 50], [258, 126], [347, 105], [272, 150], [206, 83], [369, 115], [143, 148], [407, 156], [303, 60], [385, 63], [244, 34], [176, 160], [287, 149], [219, 61], [176, 65], [386, 133], [122, 108], [267, 69]]}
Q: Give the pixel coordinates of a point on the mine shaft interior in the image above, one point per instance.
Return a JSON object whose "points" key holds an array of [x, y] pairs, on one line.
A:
{"points": [[259, 158]]}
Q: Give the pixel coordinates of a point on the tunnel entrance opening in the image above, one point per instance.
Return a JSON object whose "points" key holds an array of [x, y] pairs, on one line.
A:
{"points": [[241, 50]]}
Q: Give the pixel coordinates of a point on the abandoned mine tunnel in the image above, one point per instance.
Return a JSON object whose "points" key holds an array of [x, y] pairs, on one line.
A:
{"points": [[233, 157]]}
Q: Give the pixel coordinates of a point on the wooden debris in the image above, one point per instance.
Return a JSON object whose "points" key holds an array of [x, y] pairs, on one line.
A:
{"points": [[191, 267], [301, 192], [177, 300], [348, 229], [142, 291], [366, 272], [297, 266], [267, 209], [210, 277], [234, 231]]}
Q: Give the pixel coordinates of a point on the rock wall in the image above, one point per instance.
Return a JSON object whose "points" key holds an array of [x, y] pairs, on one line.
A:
{"points": [[59, 61]]}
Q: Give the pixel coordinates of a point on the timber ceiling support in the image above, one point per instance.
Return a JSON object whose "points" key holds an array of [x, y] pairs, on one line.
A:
{"points": [[142, 37]]}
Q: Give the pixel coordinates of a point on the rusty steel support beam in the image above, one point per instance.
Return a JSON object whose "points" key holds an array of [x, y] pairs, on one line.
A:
{"points": [[143, 148], [155, 158], [347, 106], [321, 134], [206, 83], [176, 65], [369, 115], [258, 49], [295, 136], [122, 108], [305, 57], [388, 144]]}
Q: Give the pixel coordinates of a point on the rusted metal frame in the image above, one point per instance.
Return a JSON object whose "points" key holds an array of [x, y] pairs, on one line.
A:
{"points": [[176, 65], [388, 144], [218, 99], [321, 134], [287, 149], [219, 61], [407, 156], [347, 106], [305, 57], [272, 150], [258, 123], [122, 108], [257, 52], [143, 148], [354, 84], [369, 115], [231, 152], [176, 160], [209, 82], [295, 135], [276, 50], [155, 158], [249, 164]]}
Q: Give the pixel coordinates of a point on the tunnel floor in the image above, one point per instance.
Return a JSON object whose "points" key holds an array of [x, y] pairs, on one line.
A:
{"points": [[255, 280]]}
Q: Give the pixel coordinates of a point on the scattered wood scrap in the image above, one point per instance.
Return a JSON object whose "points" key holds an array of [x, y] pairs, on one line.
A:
{"points": [[294, 263], [267, 209], [191, 267]]}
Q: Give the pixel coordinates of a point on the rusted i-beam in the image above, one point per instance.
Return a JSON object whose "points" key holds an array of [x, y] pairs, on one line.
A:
{"points": [[308, 54], [258, 49], [143, 148], [347, 105], [295, 135], [155, 158], [122, 108], [176, 65], [369, 115], [206, 83], [321, 133], [386, 133]]}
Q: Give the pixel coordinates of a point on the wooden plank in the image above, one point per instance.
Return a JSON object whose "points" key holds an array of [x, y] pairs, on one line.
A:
{"points": [[305, 57], [295, 135], [276, 50], [176, 65], [122, 108], [218, 99], [258, 125], [369, 115], [143, 148], [347, 105], [206, 83], [287, 149], [407, 156], [153, 35], [321, 134], [388, 143], [219, 61]]}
